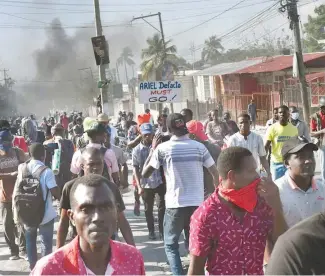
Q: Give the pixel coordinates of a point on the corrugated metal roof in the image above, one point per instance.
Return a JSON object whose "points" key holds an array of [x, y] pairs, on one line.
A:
{"points": [[276, 63], [313, 76], [227, 68]]}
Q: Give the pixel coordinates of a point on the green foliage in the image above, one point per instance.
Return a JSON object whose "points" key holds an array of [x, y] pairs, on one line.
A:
{"points": [[126, 60], [314, 30], [156, 56], [212, 50]]}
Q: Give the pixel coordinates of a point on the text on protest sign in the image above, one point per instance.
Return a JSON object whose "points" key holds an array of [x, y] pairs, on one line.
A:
{"points": [[160, 92]]}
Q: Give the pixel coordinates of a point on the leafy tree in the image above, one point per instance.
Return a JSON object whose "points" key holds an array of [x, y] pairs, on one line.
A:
{"points": [[126, 59], [314, 30], [212, 50], [156, 56]]}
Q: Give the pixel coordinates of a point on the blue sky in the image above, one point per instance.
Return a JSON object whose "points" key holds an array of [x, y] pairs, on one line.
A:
{"points": [[19, 40]]}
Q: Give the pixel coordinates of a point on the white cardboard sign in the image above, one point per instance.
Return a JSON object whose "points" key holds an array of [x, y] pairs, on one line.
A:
{"points": [[160, 92]]}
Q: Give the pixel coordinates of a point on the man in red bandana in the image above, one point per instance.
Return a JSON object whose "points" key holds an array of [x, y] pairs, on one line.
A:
{"points": [[230, 231]]}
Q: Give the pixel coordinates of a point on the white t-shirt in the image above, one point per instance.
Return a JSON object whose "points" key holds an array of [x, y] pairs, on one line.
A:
{"points": [[183, 160], [254, 144]]}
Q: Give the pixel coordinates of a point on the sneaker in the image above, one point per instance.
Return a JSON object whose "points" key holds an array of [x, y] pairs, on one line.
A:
{"points": [[14, 258], [152, 236], [23, 255], [136, 209]]}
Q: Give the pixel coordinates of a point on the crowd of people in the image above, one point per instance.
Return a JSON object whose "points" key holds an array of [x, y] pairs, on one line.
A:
{"points": [[246, 204]]}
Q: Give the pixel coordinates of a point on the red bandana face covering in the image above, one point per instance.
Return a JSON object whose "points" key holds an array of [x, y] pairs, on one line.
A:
{"points": [[245, 198]]}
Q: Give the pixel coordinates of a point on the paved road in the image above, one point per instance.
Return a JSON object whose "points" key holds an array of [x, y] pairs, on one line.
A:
{"points": [[153, 251]]}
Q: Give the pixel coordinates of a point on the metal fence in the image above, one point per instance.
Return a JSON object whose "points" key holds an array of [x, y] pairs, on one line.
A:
{"points": [[237, 104]]}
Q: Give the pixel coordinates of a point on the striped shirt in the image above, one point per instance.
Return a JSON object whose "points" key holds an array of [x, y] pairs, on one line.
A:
{"points": [[139, 156], [254, 143], [183, 160]]}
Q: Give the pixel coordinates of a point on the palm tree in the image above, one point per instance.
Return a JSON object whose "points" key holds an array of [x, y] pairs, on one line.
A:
{"points": [[126, 59], [156, 57], [212, 49]]}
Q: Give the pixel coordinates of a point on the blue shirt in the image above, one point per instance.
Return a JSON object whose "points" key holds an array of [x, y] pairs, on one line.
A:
{"points": [[139, 156], [47, 181]]}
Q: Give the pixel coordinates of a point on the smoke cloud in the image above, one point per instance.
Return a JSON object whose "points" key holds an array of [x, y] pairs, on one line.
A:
{"points": [[59, 83]]}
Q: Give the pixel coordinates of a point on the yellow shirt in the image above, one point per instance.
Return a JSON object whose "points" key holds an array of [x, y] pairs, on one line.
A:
{"points": [[278, 134]]}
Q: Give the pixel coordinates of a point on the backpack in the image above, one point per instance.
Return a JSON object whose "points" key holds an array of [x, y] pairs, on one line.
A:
{"points": [[105, 171], [28, 197]]}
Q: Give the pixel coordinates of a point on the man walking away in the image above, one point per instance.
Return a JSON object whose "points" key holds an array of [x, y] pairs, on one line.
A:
{"points": [[187, 114], [196, 130], [67, 150], [183, 160], [149, 187], [10, 158], [36, 169], [276, 135], [317, 127], [303, 129], [252, 112]]}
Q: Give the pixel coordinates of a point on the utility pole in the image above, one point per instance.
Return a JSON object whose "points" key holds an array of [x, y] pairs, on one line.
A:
{"points": [[161, 31], [193, 50], [5, 79], [291, 7], [102, 67]]}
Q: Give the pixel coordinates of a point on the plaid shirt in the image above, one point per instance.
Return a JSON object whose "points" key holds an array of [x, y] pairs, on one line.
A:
{"points": [[139, 156]]}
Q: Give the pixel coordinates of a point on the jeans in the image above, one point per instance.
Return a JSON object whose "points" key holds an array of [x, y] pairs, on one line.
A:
{"points": [[46, 237], [148, 202], [11, 231], [321, 156], [175, 221], [277, 170]]}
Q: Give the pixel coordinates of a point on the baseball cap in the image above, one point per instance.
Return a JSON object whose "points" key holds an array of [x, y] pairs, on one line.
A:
{"points": [[97, 127], [146, 128], [196, 128], [103, 118], [296, 144], [176, 123]]}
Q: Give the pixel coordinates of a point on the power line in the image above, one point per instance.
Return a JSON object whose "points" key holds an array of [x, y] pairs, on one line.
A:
{"points": [[108, 24], [206, 21], [68, 11], [110, 5], [250, 21]]}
